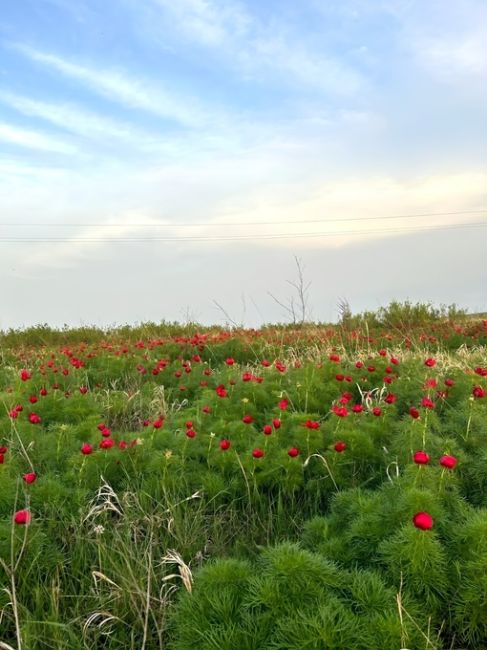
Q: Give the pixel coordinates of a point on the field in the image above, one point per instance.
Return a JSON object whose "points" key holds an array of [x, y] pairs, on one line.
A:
{"points": [[307, 487]]}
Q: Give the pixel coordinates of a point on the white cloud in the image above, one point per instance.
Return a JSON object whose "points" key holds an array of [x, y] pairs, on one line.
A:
{"points": [[128, 90], [34, 140], [206, 21], [78, 120], [450, 57]]}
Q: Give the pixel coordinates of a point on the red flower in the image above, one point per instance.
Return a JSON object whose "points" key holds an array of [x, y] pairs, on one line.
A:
{"points": [[30, 477], [478, 392], [247, 419], [421, 458], [86, 449], [3, 450], [448, 461], [423, 521], [107, 443], [449, 382], [267, 429], [83, 390], [390, 398], [229, 361], [377, 411], [266, 363], [122, 444], [106, 432], [283, 404], [34, 418], [221, 391], [101, 426], [293, 452], [189, 424], [427, 403], [334, 357], [33, 399], [276, 423], [430, 362], [340, 377], [2, 459], [371, 368], [383, 353], [340, 446], [359, 365], [22, 517], [25, 374], [414, 413], [157, 424], [257, 453], [191, 433], [357, 408], [225, 444], [312, 424], [394, 361], [206, 409], [341, 411]]}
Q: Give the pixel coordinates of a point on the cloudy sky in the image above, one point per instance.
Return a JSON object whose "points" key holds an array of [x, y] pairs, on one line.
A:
{"points": [[160, 156]]}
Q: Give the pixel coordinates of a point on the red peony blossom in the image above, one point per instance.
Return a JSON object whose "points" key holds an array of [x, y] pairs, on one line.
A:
{"points": [[359, 365], [267, 429], [414, 413], [423, 521], [86, 449], [83, 390], [357, 408], [2, 459], [276, 423], [293, 452], [257, 453], [122, 444], [14, 414], [478, 392], [335, 358], [3, 450], [230, 361], [390, 398], [106, 432], [206, 409], [191, 433], [449, 382], [340, 446], [312, 424], [22, 517], [341, 411], [157, 424], [34, 418], [430, 362], [247, 419], [188, 424], [427, 403], [395, 361], [448, 461], [283, 404], [101, 426], [421, 458], [33, 399], [340, 377], [107, 443], [225, 444], [221, 391], [377, 411], [30, 477], [383, 353], [25, 374], [265, 362]]}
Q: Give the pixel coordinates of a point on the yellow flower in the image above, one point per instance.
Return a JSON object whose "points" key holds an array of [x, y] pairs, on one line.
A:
{"points": [[245, 400]]}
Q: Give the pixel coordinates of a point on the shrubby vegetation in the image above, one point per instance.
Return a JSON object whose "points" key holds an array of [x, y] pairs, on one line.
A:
{"points": [[303, 487]]}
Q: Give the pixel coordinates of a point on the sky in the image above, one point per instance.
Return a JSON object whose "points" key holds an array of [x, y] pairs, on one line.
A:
{"points": [[165, 159]]}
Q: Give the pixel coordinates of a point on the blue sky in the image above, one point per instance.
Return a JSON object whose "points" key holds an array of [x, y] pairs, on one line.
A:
{"points": [[210, 112]]}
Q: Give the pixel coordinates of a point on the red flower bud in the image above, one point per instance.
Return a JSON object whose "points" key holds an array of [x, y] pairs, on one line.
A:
{"points": [[423, 521], [448, 461], [421, 458]]}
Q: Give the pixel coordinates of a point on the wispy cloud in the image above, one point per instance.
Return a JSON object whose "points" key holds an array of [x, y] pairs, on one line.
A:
{"points": [[78, 120], [34, 140], [206, 21], [121, 87], [256, 48]]}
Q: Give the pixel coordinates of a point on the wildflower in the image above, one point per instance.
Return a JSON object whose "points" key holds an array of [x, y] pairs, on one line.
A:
{"points": [[225, 444], [86, 449], [340, 446], [30, 477], [423, 521], [448, 461], [22, 517], [421, 458], [257, 453]]}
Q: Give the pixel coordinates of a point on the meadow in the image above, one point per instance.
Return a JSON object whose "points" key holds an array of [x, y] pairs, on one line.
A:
{"points": [[294, 487]]}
